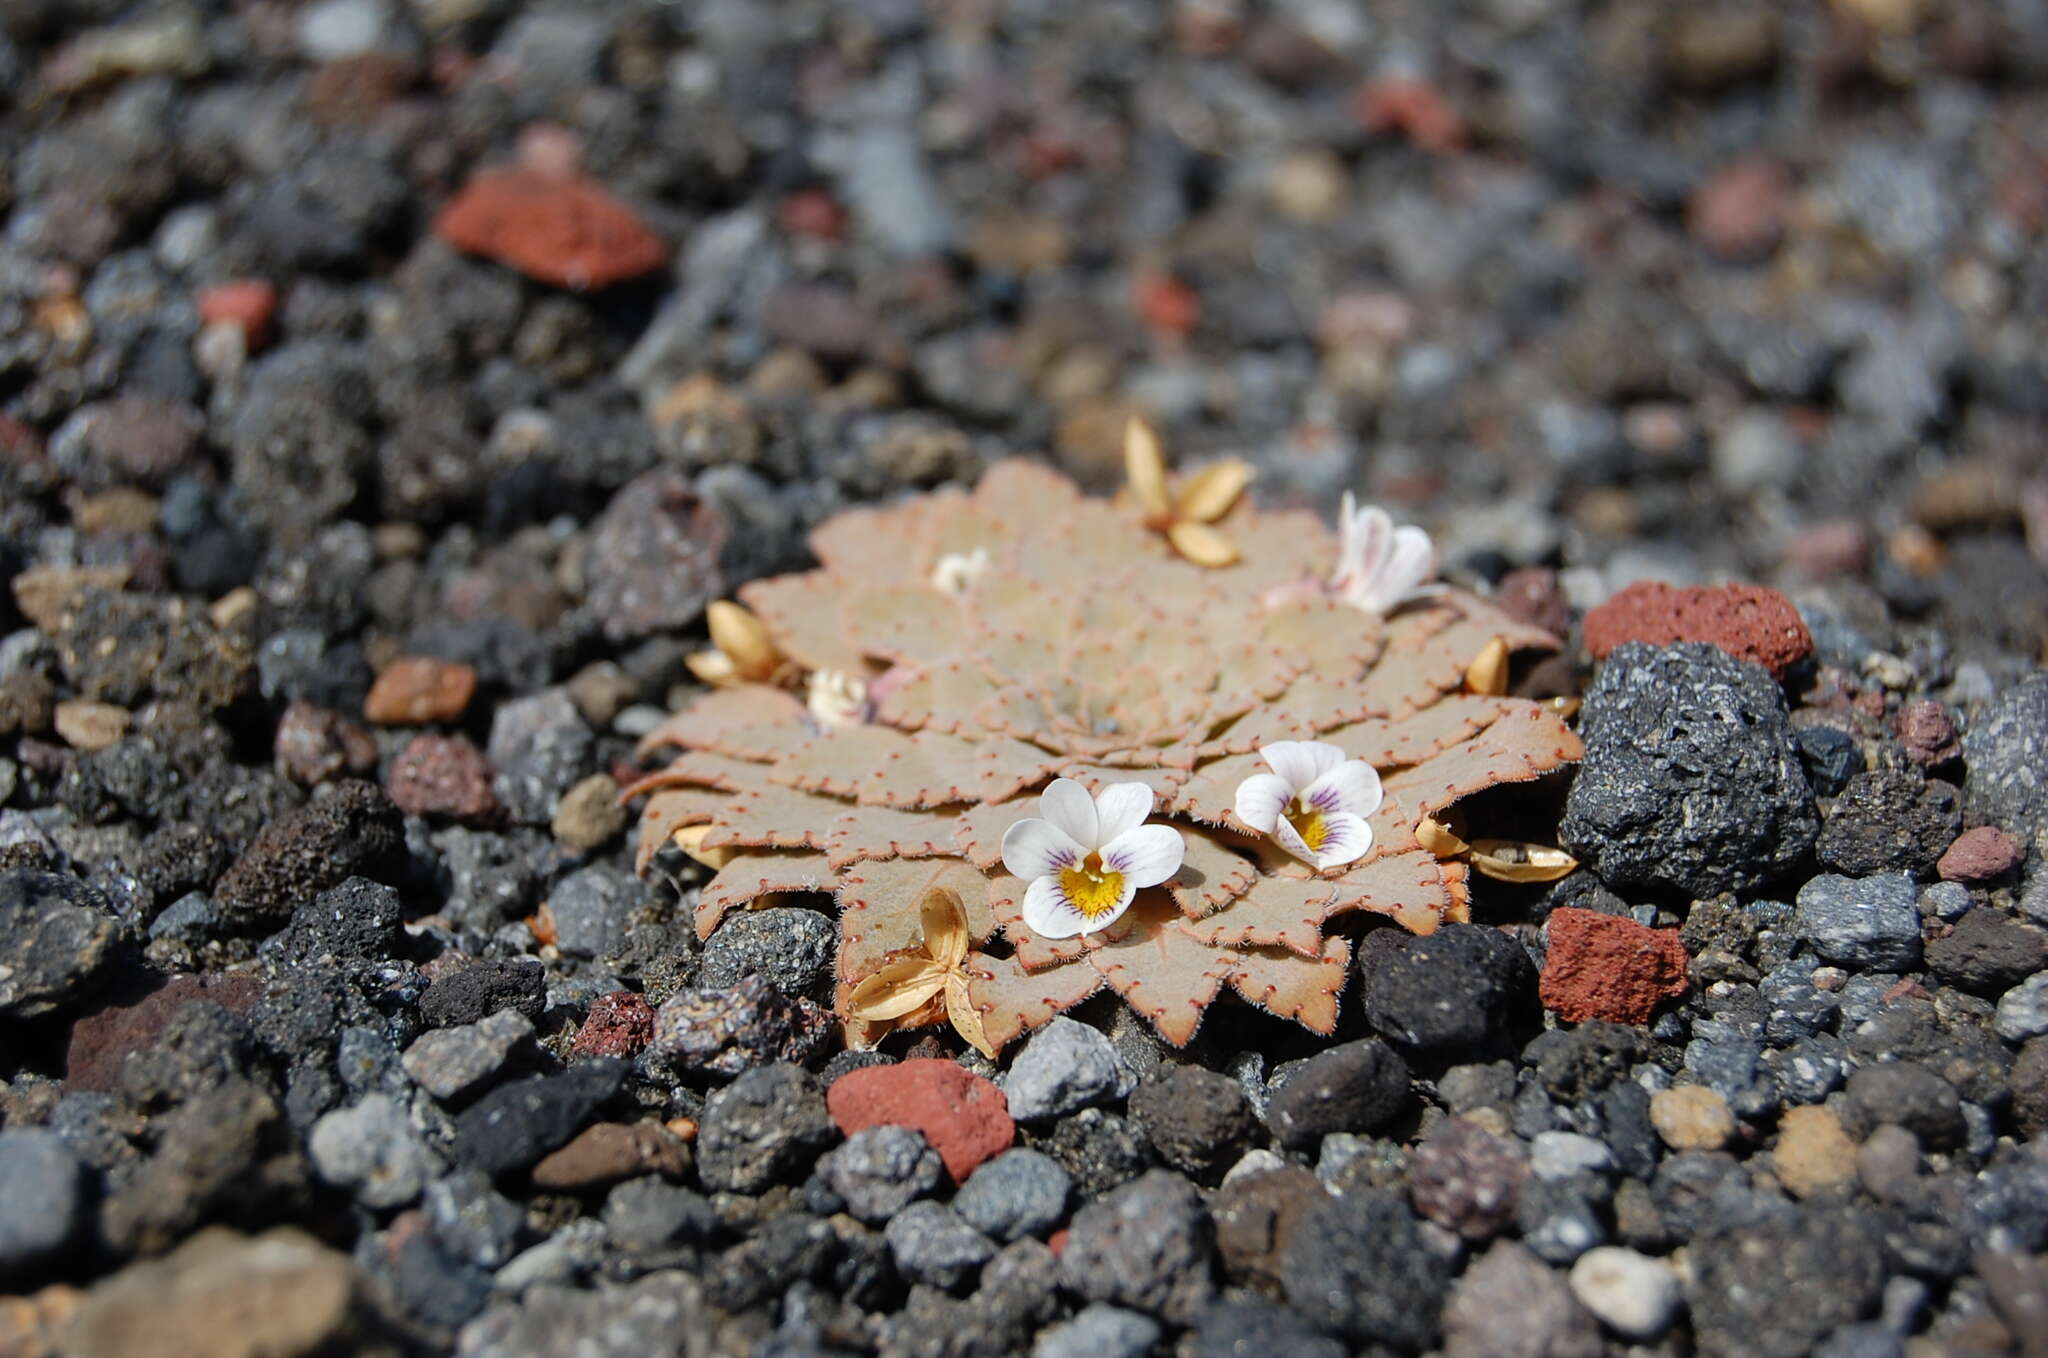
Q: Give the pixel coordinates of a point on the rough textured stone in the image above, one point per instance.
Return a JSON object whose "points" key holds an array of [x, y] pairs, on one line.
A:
{"points": [[354, 831], [767, 1125], [604, 1154], [791, 947], [1358, 1267], [58, 943], [1988, 952], [964, 1117], [1909, 1095], [726, 1032], [1889, 820], [1774, 1287], [1462, 986], [1601, 966], [371, 1150], [1692, 780], [564, 230], [516, 1124], [416, 690], [1199, 1120], [1018, 1193], [1813, 1154], [1748, 622], [437, 775], [1692, 1118], [2007, 751], [653, 557], [1147, 1245], [931, 1244], [1066, 1066], [1984, 854], [1873, 922], [1510, 1304], [40, 1213], [878, 1171], [620, 1023], [1256, 1214], [1355, 1087]]}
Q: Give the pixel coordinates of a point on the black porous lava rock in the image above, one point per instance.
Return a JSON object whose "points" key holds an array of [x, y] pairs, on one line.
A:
{"points": [[1988, 953], [1199, 1120], [354, 831], [1099, 1149], [1692, 781], [1359, 1268], [516, 1124], [1890, 820], [1463, 986], [766, 1126], [480, 989], [2006, 751], [58, 942], [1776, 1287], [1147, 1245], [1355, 1087]]}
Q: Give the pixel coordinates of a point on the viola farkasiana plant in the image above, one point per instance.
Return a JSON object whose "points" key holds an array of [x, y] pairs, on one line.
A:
{"points": [[1012, 656]]}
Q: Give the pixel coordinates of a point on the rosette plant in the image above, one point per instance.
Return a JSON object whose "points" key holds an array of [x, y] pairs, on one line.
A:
{"points": [[1021, 649]]}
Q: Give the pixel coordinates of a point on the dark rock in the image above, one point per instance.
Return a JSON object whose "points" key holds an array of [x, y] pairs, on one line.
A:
{"points": [[790, 1248], [592, 908], [765, 1127], [1576, 1064], [648, 1214], [620, 1023], [1831, 756], [931, 1244], [210, 1154], [1890, 820], [1146, 1245], [1872, 922], [1775, 1289], [121, 648], [1358, 1267], [1558, 1221], [1466, 1179], [1355, 1087], [1256, 1214], [58, 943], [878, 1171], [1099, 1331], [541, 749], [481, 989], [653, 558], [1232, 1328], [2006, 750], [1018, 1193], [1462, 986], [791, 948], [356, 921], [1200, 1121], [1692, 781], [472, 1220], [354, 831], [1988, 953], [1908, 1095], [726, 1032], [516, 1124]]}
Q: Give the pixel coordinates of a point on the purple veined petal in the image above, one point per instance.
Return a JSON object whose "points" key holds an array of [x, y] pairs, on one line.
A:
{"points": [[1035, 848], [1352, 787], [1047, 913], [1289, 838], [1146, 856], [1300, 762], [1260, 800], [1346, 838], [1069, 807], [1120, 807]]}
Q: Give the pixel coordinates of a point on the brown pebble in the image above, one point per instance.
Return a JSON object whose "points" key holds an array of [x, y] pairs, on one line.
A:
{"points": [[1928, 731], [414, 690], [589, 814], [1980, 855], [603, 1155], [436, 775], [1814, 1154], [314, 744], [87, 725]]}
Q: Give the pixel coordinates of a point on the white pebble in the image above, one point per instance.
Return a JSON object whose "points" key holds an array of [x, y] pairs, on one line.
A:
{"points": [[1563, 1155], [1630, 1293], [2023, 1010]]}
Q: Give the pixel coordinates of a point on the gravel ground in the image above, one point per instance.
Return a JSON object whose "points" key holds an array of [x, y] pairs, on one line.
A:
{"points": [[386, 386]]}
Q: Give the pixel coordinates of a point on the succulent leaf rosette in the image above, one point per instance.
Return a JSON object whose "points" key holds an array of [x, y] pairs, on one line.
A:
{"points": [[1068, 754]]}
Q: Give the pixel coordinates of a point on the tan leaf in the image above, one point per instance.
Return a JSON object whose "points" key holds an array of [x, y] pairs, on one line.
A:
{"points": [[1285, 912], [1096, 777], [1406, 887], [1145, 468], [913, 623], [1387, 744], [862, 833], [667, 811], [838, 761], [1525, 742], [1201, 544], [1156, 964], [1212, 875], [805, 614], [701, 768], [896, 989], [1294, 987], [979, 830], [773, 817], [867, 544], [705, 722], [1013, 1001], [880, 908], [755, 874], [943, 697], [1208, 495]]}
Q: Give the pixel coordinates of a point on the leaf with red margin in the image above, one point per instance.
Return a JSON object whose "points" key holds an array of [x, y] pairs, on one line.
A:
{"points": [[1293, 987], [863, 834], [804, 615], [879, 908], [708, 722], [1013, 1001], [837, 762], [1284, 912], [1451, 720], [1212, 875], [701, 768], [872, 545], [943, 697], [668, 811], [751, 875], [1034, 950], [773, 817], [1526, 742], [1153, 961], [978, 831], [1406, 887]]}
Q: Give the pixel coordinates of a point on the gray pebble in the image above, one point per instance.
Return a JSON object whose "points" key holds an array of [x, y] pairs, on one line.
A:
{"points": [[793, 948], [451, 1062], [472, 1219], [1562, 1155], [1099, 1331], [39, 1209], [593, 908], [879, 1171], [371, 1150], [1866, 922], [2023, 1010], [1021, 1192], [1066, 1067], [931, 1244]]}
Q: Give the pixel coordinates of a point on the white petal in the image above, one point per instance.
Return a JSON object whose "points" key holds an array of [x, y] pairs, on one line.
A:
{"points": [[1375, 529], [1145, 856], [1120, 807], [1260, 800], [1067, 805], [1046, 912], [1123, 903], [1288, 838], [1345, 840], [1352, 788], [1410, 564], [1037, 848], [1301, 762]]}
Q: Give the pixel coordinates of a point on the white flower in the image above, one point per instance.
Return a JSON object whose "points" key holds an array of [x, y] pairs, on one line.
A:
{"points": [[1087, 857], [1314, 802], [1380, 567]]}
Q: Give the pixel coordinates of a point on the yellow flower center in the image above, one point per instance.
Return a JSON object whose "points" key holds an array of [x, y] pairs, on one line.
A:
{"points": [[1308, 823], [1093, 889]]}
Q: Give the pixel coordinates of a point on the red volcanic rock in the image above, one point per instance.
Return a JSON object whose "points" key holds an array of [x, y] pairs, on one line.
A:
{"points": [[1747, 621], [619, 1024], [438, 775], [1928, 731], [1608, 967], [1414, 108], [964, 1117], [413, 690], [101, 1041], [1739, 211], [1981, 855], [564, 231], [248, 303]]}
